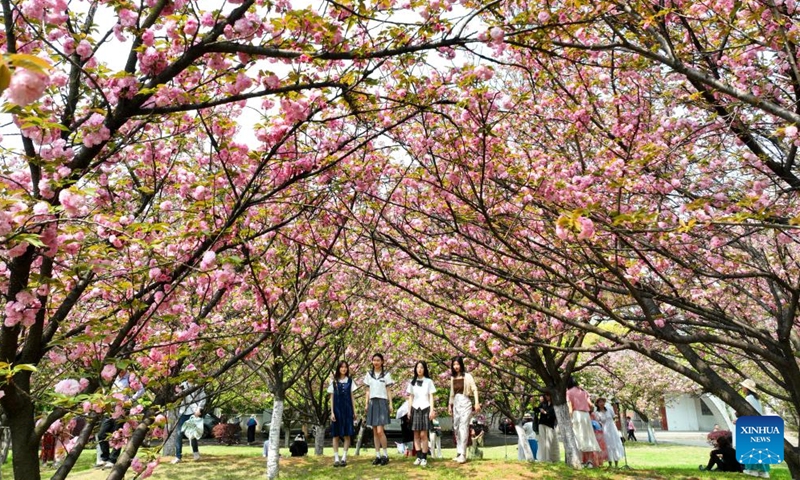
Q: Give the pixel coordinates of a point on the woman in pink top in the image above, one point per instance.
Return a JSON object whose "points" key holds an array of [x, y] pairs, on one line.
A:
{"points": [[580, 405]]}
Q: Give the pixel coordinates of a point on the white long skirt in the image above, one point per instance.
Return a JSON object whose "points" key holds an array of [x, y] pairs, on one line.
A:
{"points": [[548, 445], [613, 442], [584, 433]]}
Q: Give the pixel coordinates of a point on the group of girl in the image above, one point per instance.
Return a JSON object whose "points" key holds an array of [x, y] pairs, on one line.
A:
{"points": [[594, 426], [462, 403]]}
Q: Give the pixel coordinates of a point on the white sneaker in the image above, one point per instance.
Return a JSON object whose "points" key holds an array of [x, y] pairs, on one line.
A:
{"points": [[197, 455], [418, 461], [423, 463], [175, 460], [461, 459], [100, 464], [108, 465]]}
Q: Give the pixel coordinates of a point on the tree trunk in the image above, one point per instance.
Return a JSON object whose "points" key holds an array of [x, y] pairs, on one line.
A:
{"points": [[651, 434], [75, 453], [319, 439], [275, 436], [24, 444], [565, 427], [791, 455], [168, 449], [5, 445], [360, 436], [127, 455]]}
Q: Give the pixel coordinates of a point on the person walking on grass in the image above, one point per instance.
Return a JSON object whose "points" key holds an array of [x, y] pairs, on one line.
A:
{"points": [[379, 406], [420, 395], [631, 429], [342, 411], [461, 405], [191, 408]]}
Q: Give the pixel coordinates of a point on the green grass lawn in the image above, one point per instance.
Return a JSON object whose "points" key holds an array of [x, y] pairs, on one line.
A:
{"points": [[244, 463]]}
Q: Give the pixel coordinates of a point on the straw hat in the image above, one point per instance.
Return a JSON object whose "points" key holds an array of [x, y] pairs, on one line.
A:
{"points": [[749, 384]]}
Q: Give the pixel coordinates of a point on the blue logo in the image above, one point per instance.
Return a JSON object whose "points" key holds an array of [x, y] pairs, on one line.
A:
{"points": [[759, 440]]}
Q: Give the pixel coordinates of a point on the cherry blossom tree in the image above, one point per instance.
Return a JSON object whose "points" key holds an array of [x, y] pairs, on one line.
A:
{"points": [[624, 211], [132, 195], [636, 383]]}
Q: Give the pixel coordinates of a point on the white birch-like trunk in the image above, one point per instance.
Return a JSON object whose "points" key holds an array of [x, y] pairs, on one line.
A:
{"points": [[169, 443], [570, 444], [5, 446], [359, 437], [319, 439], [274, 439]]}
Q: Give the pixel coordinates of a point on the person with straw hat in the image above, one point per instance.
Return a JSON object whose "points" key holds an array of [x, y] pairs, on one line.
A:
{"points": [[750, 394]]}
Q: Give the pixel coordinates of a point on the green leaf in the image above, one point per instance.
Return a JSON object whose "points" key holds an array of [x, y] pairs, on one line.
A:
{"points": [[29, 62], [32, 238], [25, 366], [5, 76]]}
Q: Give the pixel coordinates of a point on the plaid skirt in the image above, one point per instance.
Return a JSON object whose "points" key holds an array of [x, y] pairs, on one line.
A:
{"points": [[378, 412], [420, 419]]}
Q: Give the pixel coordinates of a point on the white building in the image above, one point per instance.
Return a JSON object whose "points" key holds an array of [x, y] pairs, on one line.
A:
{"points": [[695, 413]]}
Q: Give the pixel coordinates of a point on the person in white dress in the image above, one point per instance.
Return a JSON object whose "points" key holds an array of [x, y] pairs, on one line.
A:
{"points": [[606, 416]]}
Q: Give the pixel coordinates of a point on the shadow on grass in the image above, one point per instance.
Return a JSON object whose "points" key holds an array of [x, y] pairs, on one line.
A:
{"points": [[241, 468], [244, 464]]}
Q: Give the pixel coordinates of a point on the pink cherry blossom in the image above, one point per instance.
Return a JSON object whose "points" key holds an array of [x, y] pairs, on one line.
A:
{"points": [[587, 229], [41, 208], [543, 16], [71, 201], [68, 387], [209, 260], [496, 33], [108, 372], [25, 87], [84, 49]]}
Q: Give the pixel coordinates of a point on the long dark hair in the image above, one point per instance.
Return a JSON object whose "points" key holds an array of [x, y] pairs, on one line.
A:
{"points": [[571, 382], [383, 365], [424, 370], [336, 374], [460, 360]]}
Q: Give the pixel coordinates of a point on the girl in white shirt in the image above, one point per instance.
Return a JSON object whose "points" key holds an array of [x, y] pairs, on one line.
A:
{"points": [[420, 396], [379, 406]]}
